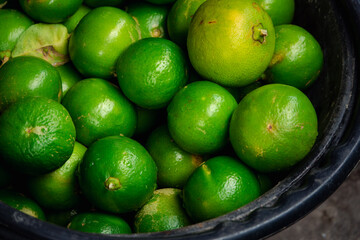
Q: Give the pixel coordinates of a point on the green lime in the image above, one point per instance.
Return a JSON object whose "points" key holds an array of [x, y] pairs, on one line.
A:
{"points": [[117, 174], [28, 76], [22, 203], [231, 42], [99, 3], [99, 39], [273, 127], [74, 19], [219, 186], [179, 18], [99, 109], [37, 135], [298, 58], [69, 76], [58, 189], [50, 11], [46, 41], [163, 212], [174, 164], [16, 24], [102, 223], [150, 18], [151, 71], [280, 11], [199, 117]]}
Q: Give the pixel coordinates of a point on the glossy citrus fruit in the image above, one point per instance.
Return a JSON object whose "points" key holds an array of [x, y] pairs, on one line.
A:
{"points": [[16, 24], [220, 185], [298, 57], [28, 76], [69, 76], [99, 39], [199, 117], [99, 3], [117, 174], [98, 110], [273, 127], [71, 22], [22, 203], [151, 18], [58, 189], [151, 71], [231, 42], [179, 18], [37, 135], [163, 212], [50, 11], [102, 223], [174, 164], [280, 11]]}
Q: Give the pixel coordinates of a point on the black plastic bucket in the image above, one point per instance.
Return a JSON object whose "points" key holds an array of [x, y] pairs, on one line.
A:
{"points": [[335, 95]]}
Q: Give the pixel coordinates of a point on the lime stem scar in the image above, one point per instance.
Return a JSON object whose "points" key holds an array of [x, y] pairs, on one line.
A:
{"points": [[112, 184], [259, 33]]}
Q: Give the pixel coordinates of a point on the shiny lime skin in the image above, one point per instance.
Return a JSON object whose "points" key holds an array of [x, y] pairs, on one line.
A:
{"points": [[151, 71], [98, 110], [69, 76], [37, 135], [273, 127], [117, 174], [28, 76], [151, 18], [99, 39], [219, 186], [174, 164], [199, 117], [280, 11], [230, 42], [99, 3], [163, 212], [298, 57], [101, 223], [16, 24], [179, 18], [22, 203], [58, 190], [50, 11], [74, 19]]}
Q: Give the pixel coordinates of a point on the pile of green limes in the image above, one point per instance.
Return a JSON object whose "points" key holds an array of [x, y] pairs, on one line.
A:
{"points": [[122, 116]]}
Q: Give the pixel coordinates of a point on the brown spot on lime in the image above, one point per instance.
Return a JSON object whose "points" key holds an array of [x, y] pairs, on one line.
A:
{"points": [[156, 32], [269, 127], [256, 6], [259, 33], [202, 21], [210, 22], [277, 58], [197, 160], [112, 184]]}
